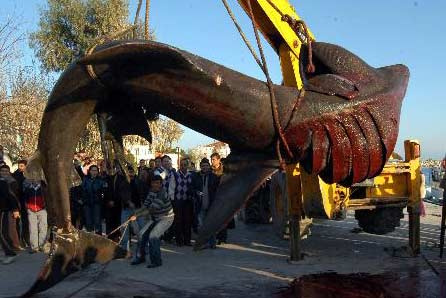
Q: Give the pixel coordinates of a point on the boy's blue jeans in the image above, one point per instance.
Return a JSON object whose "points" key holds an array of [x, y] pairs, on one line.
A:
{"points": [[150, 234]]}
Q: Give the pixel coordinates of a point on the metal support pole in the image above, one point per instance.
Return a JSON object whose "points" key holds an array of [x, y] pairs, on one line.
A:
{"points": [[414, 230], [443, 223], [414, 181], [118, 148], [102, 123], [295, 245], [294, 210]]}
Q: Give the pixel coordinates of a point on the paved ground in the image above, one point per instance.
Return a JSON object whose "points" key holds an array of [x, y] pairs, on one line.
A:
{"points": [[253, 265]]}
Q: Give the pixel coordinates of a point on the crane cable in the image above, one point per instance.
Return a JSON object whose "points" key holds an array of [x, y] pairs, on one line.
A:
{"points": [[146, 23], [146, 27], [263, 66], [274, 106], [300, 28]]}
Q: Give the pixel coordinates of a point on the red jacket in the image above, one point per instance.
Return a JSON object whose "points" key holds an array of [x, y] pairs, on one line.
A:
{"points": [[33, 197], [35, 203]]}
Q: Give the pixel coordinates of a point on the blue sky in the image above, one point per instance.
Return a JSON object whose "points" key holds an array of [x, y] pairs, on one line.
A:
{"points": [[382, 32]]}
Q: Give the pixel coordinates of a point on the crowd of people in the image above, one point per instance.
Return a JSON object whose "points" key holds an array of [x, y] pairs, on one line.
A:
{"points": [[23, 216], [157, 203]]}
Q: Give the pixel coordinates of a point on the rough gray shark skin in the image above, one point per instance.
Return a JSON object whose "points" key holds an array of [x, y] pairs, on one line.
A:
{"points": [[344, 127]]}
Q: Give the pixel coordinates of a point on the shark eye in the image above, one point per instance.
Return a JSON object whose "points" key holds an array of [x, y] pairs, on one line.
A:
{"points": [[327, 80]]}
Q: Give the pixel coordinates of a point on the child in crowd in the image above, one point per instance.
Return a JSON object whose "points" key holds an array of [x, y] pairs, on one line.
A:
{"points": [[37, 214]]}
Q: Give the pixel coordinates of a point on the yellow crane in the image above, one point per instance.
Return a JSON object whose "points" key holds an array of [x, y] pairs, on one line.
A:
{"points": [[383, 197]]}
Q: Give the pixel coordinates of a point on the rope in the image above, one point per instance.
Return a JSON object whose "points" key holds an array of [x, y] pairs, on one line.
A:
{"points": [[54, 234], [132, 28], [301, 30], [123, 233], [100, 40], [242, 34], [274, 106], [146, 27], [298, 26], [135, 22], [123, 224]]}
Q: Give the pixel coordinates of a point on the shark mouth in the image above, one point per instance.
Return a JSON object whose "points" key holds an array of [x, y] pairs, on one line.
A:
{"points": [[343, 127]]}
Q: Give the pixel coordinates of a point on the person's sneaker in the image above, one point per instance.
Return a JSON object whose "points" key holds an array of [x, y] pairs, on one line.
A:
{"points": [[8, 260], [138, 261], [153, 265], [33, 250]]}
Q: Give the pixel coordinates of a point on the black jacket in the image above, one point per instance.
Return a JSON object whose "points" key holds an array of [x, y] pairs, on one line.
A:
{"points": [[8, 201], [118, 191], [197, 186], [20, 178], [136, 189], [93, 190]]}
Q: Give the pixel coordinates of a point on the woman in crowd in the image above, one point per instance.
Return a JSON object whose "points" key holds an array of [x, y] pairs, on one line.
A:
{"points": [[93, 188]]}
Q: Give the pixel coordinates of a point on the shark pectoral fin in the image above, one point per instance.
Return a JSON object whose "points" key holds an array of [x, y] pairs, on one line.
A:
{"points": [[71, 252], [240, 179]]}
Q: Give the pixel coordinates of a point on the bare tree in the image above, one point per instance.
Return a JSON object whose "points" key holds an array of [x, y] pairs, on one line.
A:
{"points": [[11, 36], [21, 112], [165, 133]]}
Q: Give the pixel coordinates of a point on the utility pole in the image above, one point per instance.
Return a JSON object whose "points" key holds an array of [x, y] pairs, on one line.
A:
{"points": [[443, 209]]}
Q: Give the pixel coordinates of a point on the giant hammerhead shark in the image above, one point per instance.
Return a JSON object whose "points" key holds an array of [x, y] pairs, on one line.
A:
{"points": [[344, 127]]}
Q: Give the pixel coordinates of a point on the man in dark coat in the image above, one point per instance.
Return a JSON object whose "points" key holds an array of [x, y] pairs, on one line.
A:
{"points": [[22, 228], [217, 169], [203, 188], [5, 173], [8, 203]]}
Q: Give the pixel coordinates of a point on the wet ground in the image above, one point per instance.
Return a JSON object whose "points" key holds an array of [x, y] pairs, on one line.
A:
{"points": [[338, 263], [412, 284]]}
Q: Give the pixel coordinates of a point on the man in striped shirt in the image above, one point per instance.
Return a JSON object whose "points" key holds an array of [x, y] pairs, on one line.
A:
{"points": [[159, 217]]}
